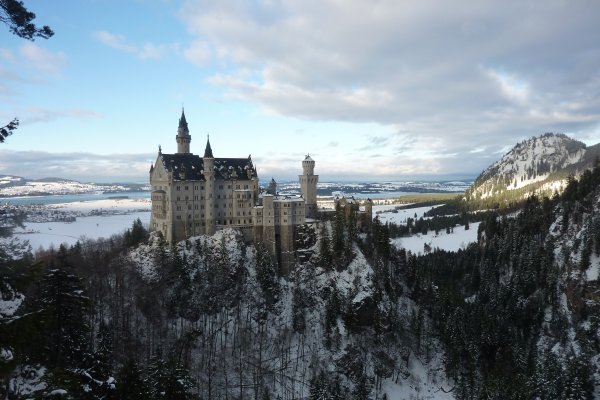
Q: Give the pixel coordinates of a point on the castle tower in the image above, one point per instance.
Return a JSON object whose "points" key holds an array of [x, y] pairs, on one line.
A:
{"points": [[308, 186], [272, 188], [183, 135], [369, 212], [209, 174]]}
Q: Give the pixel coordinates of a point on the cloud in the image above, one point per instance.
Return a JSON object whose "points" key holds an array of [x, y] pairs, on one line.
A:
{"points": [[34, 115], [78, 166], [198, 53], [43, 60], [452, 76], [145, 51]]}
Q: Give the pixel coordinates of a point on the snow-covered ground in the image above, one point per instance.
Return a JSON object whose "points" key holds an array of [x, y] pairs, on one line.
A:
{"points": [[59, 187], [122, 205], [386, 214], [96, 219], [460, 238]]}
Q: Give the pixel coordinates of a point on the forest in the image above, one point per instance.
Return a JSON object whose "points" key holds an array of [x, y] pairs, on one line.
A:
{"points": [[513, 316]]}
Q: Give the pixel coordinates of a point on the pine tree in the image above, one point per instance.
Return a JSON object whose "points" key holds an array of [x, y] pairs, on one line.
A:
{"points": [[325, 248], [130, 385], [64, 311], [362, 388], [266, 274], [338, 232]]}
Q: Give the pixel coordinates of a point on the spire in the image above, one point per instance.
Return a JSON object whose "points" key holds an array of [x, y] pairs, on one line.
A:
{"points": [[183, 137], [208, 151], [182, 122]]}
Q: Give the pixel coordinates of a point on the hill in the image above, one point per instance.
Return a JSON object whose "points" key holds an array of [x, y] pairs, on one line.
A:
{"points": [[14, 186], [537, 165]]}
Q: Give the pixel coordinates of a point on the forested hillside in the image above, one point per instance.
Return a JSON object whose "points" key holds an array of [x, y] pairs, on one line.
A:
{"points": [[539, 165], [514, 316], [132, 318]]}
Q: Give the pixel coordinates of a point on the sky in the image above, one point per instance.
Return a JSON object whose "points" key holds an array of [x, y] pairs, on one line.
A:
{"points": [[372, 90]]}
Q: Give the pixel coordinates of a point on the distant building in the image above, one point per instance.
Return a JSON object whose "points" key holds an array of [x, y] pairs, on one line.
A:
{"points": [[352, 207], [193, 195]]}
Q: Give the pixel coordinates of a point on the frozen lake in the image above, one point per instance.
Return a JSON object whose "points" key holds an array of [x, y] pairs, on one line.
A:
{"points": [[121, 214]]}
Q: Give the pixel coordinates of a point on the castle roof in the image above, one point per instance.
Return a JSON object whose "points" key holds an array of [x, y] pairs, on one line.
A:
{"points": [[208, 151], [182, 122], [190, 167]]}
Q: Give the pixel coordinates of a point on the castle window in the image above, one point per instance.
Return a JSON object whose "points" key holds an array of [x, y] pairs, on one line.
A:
{"points": [[218, 196], [186, 188], [178, 187], [178, 198], [186, 198], [228, 186], [221, 187], [201, 187], [195, 197], [202, 207], [195, 187], [179, 217], [195, 206], [178, 208], [237, 186], [189, 206], [245, 186]]}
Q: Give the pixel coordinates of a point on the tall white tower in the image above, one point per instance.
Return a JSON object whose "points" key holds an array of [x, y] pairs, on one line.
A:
{"points": [[183, 135], [308, 186]]}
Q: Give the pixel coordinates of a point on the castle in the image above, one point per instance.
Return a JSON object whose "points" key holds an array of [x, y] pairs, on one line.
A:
{"points": [[193, 195]]}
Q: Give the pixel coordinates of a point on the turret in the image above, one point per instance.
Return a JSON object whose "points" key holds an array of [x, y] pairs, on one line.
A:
{"points": [[308, 186], [272, 189], [183, 135], [308, 166], [209, 175]]}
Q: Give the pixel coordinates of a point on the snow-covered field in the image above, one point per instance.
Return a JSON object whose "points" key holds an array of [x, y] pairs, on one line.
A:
{"points": [[386, 214], [117, 205], [460, 238], [101, 218]]}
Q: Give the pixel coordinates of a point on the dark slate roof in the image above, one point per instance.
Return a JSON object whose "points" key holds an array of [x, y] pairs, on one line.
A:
{"points": [[208, 151], [182, 122], [186, 166]]}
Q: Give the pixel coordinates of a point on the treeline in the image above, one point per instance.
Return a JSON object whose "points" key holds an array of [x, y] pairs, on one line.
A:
{"points": [[435, 224]]}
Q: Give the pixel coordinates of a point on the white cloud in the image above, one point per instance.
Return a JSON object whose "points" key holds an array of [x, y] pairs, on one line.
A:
{"points": [[145, 51], [198, 53], [43, 60], [34, 115], [510, 85], [415, 65], [79, 166]]}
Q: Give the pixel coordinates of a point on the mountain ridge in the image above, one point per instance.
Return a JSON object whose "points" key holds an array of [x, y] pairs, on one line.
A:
{"points": [[538, 165]]}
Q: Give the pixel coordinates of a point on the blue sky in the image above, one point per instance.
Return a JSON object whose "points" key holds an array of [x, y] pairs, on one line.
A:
{"points": [[386, 90]]}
